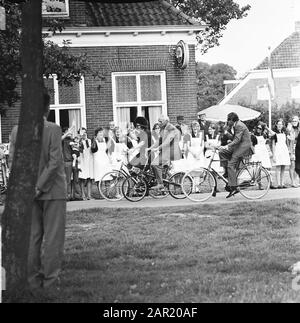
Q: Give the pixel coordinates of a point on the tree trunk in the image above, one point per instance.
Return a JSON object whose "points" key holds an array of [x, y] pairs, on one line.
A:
{"points": [[16, 218]]}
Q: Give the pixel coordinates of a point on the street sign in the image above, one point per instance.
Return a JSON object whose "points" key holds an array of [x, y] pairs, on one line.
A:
{"points": [[2, 19]]}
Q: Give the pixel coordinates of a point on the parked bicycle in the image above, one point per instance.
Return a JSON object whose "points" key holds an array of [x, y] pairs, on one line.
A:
{"points": [[253, 180], [141, 181]]}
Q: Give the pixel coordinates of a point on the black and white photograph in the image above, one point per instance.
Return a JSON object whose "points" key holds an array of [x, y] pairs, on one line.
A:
{"points": [[150, 154]]}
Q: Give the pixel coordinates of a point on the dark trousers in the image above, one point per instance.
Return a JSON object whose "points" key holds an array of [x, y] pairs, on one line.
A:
{"points": [[46, 242], [68, 171], [232, 162], [158, 172]]}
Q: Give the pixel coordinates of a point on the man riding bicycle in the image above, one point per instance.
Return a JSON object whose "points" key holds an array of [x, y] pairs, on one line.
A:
{"points": [[168, 148], [241, 146]]}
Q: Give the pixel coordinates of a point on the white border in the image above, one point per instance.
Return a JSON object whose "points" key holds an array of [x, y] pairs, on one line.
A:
{"points": [[57, 106], [65, 14], [125, 36], [139, 103]]}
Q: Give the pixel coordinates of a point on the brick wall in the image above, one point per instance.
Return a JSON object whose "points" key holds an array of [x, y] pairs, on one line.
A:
{"points": [[181, 84], [248, 93]]}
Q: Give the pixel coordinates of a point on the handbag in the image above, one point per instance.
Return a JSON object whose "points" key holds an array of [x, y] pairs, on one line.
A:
{"points": [[94, 146]]}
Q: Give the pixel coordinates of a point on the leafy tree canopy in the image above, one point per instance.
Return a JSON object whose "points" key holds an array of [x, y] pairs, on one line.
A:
{"points": [[57, 60], [216, 14], [210, 87]]}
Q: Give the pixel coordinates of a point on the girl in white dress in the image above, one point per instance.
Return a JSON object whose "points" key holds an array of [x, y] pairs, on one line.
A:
{"points": [[182, 165], [196, 149], [281, 156], [120, 151], [86, 161], [102, 161], [293, 130], [212, 139], [261, 153]]}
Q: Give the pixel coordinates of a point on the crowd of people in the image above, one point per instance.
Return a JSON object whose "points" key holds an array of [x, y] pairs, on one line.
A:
{"points": [[87, 160]]}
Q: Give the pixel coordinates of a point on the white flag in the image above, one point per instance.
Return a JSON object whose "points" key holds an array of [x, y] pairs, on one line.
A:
{"points": [[271, 82]]}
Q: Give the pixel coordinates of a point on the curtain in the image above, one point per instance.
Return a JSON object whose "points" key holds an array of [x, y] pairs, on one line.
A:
{"points": [[123, 115], [74, 120], [154, 113], [126, 88]]}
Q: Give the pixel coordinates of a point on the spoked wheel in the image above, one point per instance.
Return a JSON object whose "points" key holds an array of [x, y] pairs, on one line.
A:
{"points": [[198, 184], [134, 188], [175, 187], [110, 186], [254, 181]]}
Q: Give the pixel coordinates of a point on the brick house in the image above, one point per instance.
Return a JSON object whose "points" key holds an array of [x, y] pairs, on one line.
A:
{"points": [[253, 89], [145, 52]]}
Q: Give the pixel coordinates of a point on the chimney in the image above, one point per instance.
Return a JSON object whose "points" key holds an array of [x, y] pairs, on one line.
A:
{"points": [[297, 26]]}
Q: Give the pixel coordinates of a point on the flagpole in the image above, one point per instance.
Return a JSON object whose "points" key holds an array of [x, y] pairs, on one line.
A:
{"points": [[271, 87], [270, 111]]}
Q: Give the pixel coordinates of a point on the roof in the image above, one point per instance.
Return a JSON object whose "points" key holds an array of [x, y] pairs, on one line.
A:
{"points": [[286, 55], [150, 13]]}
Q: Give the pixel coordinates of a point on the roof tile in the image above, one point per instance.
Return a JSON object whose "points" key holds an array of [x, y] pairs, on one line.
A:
{"points": [[153, 12], [286, 55]]}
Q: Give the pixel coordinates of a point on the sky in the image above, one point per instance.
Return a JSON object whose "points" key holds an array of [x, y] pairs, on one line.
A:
{"points": [[245, 42]]}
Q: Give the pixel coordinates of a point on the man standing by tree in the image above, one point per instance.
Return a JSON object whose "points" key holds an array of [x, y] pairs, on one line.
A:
{"points": [[49, 209]]}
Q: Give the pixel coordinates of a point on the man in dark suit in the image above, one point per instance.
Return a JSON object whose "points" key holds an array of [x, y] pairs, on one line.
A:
{"points": [[49, 209], [204, 124], [240, 146], [168, 148]]}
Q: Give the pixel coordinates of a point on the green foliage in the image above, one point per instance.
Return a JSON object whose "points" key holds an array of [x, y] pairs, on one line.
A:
{"points": [[216, 14], [210, 83], [57, 60]]}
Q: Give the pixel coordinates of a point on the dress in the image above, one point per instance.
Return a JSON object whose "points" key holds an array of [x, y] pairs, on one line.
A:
{"points": [[119, 155], [86, 160], [195, 156], [261, 153], [210, 142], [281, 152], [102, 162]]}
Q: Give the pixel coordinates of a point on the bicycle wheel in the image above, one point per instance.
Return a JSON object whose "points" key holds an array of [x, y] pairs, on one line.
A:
{"points": [[134, 188], [175, 187], [254, 181], [110, 186], [198, 184]]}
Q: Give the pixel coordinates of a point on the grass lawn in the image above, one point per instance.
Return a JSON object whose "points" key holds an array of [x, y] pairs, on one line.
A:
{"points": [[223, 253]]}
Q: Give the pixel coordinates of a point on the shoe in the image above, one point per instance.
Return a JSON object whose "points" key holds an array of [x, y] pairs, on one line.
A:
{"points": [[157, 187], [283, 186], [233, 192], [274, 187], [225, 175]]}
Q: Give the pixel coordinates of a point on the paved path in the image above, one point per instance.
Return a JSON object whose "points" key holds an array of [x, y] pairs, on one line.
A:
{"points": [[289, 193]]}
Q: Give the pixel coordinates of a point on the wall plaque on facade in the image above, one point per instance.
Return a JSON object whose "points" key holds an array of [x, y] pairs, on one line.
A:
{"points": [[2, 18], [55, 8], [182, 54]]}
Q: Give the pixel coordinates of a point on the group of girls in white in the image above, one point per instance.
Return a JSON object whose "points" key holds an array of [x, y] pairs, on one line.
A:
{"points": [[112, 146]]}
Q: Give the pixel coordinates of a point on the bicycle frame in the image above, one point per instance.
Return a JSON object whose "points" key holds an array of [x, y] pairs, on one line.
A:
{"points": [[240, 165]]}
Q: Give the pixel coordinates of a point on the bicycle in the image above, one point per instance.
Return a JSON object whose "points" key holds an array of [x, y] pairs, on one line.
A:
{"points": [[140, 183], [253, 180], [110, 185]]}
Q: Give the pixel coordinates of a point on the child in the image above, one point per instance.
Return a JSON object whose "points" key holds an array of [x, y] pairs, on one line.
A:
{"points": [[75, 145]]}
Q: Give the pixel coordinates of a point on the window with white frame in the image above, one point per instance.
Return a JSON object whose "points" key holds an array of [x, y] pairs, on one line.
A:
{"points": [[55, 8], [262, 92], [67, 104], [138, 94], [295, 90]]}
